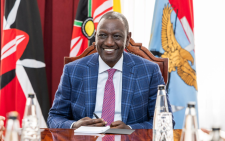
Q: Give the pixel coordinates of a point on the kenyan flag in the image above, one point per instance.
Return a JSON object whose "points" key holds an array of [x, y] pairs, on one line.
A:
{"points": [[22, 60], [88, 15]]}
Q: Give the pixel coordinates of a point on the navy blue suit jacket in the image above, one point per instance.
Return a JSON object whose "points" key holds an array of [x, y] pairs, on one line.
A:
{"points": [[76, 94]]}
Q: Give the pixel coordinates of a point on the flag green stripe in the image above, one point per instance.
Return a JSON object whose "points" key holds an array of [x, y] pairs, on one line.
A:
{"points": [[89, 7], [77, 23]]}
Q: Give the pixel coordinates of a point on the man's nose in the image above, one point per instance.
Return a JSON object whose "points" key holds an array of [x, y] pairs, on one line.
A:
{"points": [[109, 41]]}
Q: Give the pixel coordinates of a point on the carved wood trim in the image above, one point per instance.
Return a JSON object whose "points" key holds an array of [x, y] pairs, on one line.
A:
{"points": [[134, 48], [138, 49]]}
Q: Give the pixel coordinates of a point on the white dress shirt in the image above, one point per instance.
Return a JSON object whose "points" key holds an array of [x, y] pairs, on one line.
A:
{"points": [[117, 81]]}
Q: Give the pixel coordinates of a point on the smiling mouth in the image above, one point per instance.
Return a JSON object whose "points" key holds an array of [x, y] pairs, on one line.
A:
{"points": [[109, 49]]}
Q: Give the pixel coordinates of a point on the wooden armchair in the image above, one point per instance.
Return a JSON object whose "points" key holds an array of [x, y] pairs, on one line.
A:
{"points": [[134, 48]]}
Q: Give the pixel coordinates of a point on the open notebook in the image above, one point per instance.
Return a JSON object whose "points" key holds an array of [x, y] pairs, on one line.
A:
{"points": [[104, 130], [92, 130]]}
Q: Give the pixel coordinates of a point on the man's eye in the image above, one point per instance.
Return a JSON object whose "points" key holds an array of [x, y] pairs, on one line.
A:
{"points": [[117, 36], [102, 35]]}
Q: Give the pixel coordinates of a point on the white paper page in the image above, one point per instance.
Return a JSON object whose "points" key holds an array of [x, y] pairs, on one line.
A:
{"points": [[88, 129]]}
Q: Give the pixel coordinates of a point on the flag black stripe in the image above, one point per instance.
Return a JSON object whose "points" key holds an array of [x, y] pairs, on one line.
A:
{"points": [[6, 78]]}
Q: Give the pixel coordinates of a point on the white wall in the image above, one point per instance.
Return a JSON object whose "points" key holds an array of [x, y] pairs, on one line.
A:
{"points": [[139, 14], [210, 52], [209, 18]]}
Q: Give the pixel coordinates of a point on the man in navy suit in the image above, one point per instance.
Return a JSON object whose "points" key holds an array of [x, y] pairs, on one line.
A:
{"points": [[82, 88]]}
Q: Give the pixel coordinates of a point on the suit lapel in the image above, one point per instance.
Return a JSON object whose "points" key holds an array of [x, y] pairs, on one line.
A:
{"points": [[127, 85], [91, 85]]}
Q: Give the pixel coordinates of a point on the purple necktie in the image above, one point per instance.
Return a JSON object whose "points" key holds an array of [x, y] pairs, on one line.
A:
{"points": [[108, 138], [108, 108]]}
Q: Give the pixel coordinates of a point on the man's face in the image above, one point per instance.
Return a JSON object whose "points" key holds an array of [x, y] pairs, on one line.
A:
{"points": [[111, 38]]}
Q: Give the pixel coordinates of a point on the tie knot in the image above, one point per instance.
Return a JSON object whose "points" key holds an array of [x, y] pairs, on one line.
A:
{"points": [[111, 73]]}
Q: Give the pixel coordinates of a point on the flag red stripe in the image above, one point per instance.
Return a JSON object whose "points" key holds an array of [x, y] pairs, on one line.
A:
{"points": [[184, 8], [83, 46], [103, 12], [20, 101], [11, 46], [16, 99], [9, 63], [75, 44], [8, 49]]}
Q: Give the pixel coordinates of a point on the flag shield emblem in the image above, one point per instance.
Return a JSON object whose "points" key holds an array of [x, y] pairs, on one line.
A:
{"points": [[88, 28]]}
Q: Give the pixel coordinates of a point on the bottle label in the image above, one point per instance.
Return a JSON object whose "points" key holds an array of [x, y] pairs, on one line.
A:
{"points": [[163, 129], [30, 129]]}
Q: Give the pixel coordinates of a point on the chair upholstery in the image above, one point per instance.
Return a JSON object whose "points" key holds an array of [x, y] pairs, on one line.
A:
{"points": [[134, 48]]}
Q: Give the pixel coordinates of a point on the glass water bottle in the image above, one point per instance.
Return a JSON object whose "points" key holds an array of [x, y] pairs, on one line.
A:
{"points": [[215, 134], [162, 122], [190, 128], [30, 128], [12, 127]]}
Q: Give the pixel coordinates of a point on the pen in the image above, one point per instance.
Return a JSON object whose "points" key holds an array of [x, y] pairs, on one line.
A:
{"points": [[98, 117], [95, 115]]}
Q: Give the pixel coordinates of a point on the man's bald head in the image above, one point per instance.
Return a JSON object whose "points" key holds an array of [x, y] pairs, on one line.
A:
{"points": [[116, 15]]}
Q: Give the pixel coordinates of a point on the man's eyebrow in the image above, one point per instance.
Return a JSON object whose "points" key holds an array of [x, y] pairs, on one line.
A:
{"points": [[115, 31]]}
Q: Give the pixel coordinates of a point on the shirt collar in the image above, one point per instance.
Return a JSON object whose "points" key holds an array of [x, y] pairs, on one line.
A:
{"points": [[104, 67]]}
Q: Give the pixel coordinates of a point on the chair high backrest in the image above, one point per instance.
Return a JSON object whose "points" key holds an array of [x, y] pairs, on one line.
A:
{"points": [[134, 48]]}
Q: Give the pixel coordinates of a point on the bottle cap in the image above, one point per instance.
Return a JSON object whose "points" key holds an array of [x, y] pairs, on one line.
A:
{"points": [[191, 104], [31, 95], [215, 128], [13, 115], [161, 87]]}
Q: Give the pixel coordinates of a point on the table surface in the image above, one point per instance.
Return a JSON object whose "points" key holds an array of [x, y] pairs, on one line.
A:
{"points": [[68, 135]]}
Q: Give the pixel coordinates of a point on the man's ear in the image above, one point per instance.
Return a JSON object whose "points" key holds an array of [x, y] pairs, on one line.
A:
{"points": [[95, 41], [129, 34], [128, 38], [95, 36]]}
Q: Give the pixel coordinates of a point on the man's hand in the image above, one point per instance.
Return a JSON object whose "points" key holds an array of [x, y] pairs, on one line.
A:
{"points": [[119, 125], [2, 128], [89, 122]]}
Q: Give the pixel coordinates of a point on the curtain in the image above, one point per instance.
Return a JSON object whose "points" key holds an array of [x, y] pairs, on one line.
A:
{"points": [[139, 14], [57, 24]]}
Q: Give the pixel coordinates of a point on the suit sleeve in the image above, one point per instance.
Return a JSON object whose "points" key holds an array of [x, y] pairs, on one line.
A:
{"points": [[60, 114], [156, 80]]}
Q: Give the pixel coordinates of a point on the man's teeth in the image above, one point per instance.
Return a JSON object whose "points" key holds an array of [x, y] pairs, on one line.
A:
{"points": [[108, 49]]}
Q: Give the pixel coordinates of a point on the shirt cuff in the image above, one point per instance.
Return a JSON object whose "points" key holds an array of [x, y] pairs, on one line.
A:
{"points": [[71, 126], [129, 126]]}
